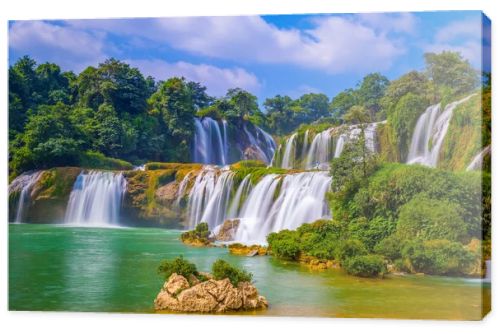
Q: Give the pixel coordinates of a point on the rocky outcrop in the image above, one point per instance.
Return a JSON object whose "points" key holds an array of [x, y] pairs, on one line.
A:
{"points": [[317, 264], [228, 230], [253, 250], [210, 296]]}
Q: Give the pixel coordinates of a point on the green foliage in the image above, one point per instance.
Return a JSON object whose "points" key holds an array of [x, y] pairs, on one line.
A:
{"points": [[200, 233], [284, 244], [97, 160], [221, 270], [448, 69], [426, 218], [350, 248], [365, 265], [438, 257], [179, 265]]}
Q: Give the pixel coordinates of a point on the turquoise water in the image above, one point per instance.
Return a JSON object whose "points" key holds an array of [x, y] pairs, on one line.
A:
{"points": [[59, 268]]}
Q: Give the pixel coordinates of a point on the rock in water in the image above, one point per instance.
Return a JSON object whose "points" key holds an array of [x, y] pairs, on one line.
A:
{"points": [[211, 296]]}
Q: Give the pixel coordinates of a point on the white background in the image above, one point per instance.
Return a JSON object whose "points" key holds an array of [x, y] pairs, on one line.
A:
{"points": [[50, 322]]}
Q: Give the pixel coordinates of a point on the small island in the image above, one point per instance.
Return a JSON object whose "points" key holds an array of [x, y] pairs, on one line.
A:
{"points": [[225, 289]]}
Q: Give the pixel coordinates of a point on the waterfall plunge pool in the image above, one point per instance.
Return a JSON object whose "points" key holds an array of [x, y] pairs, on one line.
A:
{"points": [[62, 268]]}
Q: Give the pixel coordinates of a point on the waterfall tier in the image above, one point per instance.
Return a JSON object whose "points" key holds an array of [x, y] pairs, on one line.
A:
{"points": [[316, 152], [96, 199], [274, 203], [24, 183], [430, 132], [214, 144]]}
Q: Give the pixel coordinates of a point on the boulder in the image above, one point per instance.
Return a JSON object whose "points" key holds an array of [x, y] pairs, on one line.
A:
{"points": [[211, 296], [228, 230]]}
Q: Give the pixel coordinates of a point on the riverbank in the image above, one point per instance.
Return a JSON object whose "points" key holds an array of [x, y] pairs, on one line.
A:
{"points": [[56, 268]]}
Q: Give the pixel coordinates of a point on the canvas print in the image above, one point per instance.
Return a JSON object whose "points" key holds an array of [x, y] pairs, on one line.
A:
{"points": [[329, 165]]}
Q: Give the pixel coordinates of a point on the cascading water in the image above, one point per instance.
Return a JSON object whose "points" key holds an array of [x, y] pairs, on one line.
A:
{"points": [[325, 146], [477, 161], [24, 183], [301, 199], [276, 202], [289, 155], [212, 140], [208, 142], [96, 199], [429, 133]]}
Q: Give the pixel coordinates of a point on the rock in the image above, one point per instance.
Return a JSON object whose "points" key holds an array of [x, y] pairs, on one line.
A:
{"points": [[252, 153], [175, 284], [167, 193], [210, 296], [240, 249], [228, 230]]}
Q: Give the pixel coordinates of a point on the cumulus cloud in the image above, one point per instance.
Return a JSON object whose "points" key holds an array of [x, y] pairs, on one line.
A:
{"points": [[462, 36], [334, 44], [72, 48], [217, 80]]}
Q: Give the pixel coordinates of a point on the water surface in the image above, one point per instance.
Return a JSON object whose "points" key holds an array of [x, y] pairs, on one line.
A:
{"points": [[60, 268]]}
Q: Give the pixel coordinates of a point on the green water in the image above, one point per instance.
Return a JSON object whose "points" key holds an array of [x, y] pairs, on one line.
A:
{"points": [[58, 268]]}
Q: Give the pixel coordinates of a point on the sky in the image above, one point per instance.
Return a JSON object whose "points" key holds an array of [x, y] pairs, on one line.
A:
{"points": [[266, 55]]}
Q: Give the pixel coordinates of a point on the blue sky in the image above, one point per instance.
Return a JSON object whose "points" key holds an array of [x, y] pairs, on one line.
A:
{"points": [[267, 55]]}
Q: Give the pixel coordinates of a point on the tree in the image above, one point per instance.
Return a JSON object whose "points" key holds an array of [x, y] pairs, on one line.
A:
{"points": [[279, 113], [448, 69], [371, 90], [342, 102], [243, 103], [173, 105], [314, 106]]}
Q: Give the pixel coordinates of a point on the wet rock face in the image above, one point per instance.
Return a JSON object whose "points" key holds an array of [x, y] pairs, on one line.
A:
{"points": [[228, 230], [210, 296]]}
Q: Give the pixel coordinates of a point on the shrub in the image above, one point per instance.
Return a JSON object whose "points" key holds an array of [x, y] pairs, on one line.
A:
{"points": [[221, 270], [427, 219], [389, 247], [350, 248], [178, 266], [438, 257], [285, 244], [365, 265], [200, 232]]}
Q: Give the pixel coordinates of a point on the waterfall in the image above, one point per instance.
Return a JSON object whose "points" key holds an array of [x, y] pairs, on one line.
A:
{"points": [[289, 155], [96, 199], [208, 142], [262, 142], [301, 199], [212, 141], [319, 154], [305, 146], [24, 183], [429, 133], [276, 202], [477, 161]]}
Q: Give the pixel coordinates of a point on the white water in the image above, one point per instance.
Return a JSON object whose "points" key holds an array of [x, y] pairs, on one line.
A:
{"points": [[212, 141], [276, 202], [289, 156], [96, 199], [429, 133], [24, 183], [477, 161], [325, 146], [208, 142]]}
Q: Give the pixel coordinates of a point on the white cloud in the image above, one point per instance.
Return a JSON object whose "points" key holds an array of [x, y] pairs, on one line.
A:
{"points": [[460, 36], [334, 44], [217, 80], [73, 49]]}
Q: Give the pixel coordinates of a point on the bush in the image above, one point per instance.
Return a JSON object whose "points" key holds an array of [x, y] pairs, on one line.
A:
{"points": [[178, 266], [438, 257], [98, 160], [285, 244], [200, 232], [350, 248], [365, 265], [428, 219], [389, 247], [221, 270]]}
